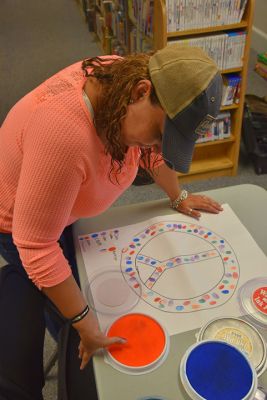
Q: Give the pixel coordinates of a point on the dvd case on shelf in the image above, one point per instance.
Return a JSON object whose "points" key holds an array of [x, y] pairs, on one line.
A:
{"points": [[195, 14]]}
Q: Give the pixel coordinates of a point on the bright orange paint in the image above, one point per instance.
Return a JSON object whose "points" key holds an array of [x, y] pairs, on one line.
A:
{"points": [[145, 340]]}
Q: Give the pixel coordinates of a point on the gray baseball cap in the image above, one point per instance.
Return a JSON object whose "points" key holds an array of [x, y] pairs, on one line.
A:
{"points": [[189, 87]]}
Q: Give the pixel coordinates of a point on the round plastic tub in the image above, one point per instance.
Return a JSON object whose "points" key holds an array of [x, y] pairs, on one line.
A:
{"points": [[147, 344], [217, 370]]}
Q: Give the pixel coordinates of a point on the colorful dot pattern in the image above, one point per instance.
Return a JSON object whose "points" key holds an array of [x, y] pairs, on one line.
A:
{"points": [[133, 259]]}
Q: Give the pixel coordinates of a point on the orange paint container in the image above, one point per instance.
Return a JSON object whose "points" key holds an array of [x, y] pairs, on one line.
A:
{"points": [[147, 344]]}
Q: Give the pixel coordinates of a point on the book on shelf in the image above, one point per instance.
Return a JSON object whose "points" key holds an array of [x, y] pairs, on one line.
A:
{"points": [[225, 49], [262, 57], [261, 69], [141, 14], [195, 14], [100, 24], [116, 47], [237, 93], [138, 42], [119, 25], [230, 86], [108, 9], [219, 129], [242, 8]]}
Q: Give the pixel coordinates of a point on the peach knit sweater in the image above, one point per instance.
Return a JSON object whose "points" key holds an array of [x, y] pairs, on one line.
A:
{"points": [[53, 170]]}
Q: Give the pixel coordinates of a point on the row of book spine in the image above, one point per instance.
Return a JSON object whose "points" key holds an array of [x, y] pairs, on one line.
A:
{"points": [[141, 14], [227, 49], [219, 129], [111, 26], [135, 32], [195, 14]]}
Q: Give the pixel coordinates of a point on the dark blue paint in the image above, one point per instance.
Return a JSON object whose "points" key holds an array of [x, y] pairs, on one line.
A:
{"points": [[219, 371]]}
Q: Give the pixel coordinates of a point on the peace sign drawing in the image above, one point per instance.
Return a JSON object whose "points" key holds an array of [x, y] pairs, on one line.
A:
{"points": [[181, 267]]}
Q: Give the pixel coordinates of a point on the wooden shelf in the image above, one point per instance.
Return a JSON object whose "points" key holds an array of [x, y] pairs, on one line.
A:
{"points": [[211, 29], [231, 71], [211, 164], [231, 107], [231, 139], [208, 168]]}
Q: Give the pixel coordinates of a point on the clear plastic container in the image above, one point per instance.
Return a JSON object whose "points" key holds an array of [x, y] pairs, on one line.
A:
{"points": [[108, 293]]}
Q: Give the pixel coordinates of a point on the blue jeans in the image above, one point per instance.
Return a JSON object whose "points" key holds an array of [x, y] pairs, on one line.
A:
{"points": [[24, 313]]}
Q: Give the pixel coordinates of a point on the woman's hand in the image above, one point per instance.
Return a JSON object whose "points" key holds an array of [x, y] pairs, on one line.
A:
{"points": [[92, 338], [195, 202]]}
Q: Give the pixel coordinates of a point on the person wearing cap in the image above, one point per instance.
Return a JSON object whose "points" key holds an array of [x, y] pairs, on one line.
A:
{"points": [[68, 150]]}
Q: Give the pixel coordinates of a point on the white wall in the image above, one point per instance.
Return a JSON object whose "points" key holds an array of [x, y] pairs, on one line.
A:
{"points": [[259, 30]]}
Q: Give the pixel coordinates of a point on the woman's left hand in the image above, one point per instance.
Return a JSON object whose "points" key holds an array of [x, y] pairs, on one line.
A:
{"points": [[195, 202]]}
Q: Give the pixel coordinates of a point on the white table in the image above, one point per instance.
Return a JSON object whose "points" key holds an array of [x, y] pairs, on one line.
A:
{"points": [[249, 202]]}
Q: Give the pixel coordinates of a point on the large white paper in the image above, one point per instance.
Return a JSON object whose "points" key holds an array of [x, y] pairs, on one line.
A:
{"points": [[185, 272]]}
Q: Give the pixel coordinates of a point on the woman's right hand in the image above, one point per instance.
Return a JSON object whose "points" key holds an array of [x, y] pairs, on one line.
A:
{"points": [[92, 338]]}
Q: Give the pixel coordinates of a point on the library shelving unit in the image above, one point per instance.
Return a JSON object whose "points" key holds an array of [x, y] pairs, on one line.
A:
{"points": [[123, 26], [127, 26], [218, 157], [108, 19]]}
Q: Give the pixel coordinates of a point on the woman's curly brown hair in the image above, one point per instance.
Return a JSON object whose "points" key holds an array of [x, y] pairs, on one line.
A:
{"points": [[118, 77]]}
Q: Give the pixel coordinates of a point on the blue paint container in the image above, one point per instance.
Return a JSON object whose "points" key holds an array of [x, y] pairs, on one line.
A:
{"points": [[217, 370]]}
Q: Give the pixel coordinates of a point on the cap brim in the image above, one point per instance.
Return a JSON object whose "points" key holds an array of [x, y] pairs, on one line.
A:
{"points": [[177, 149], [182, 131]]}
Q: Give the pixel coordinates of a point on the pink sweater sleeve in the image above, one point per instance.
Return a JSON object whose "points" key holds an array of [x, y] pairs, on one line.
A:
{"points": [[52, 172]]}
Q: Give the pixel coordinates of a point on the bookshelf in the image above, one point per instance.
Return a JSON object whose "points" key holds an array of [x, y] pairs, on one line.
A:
{"points": [[127, 26], [123, 26], [219, 157], [109, 20]]}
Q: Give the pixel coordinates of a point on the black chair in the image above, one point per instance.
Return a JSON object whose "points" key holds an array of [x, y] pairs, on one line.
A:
{"points": [[73, 384]]}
